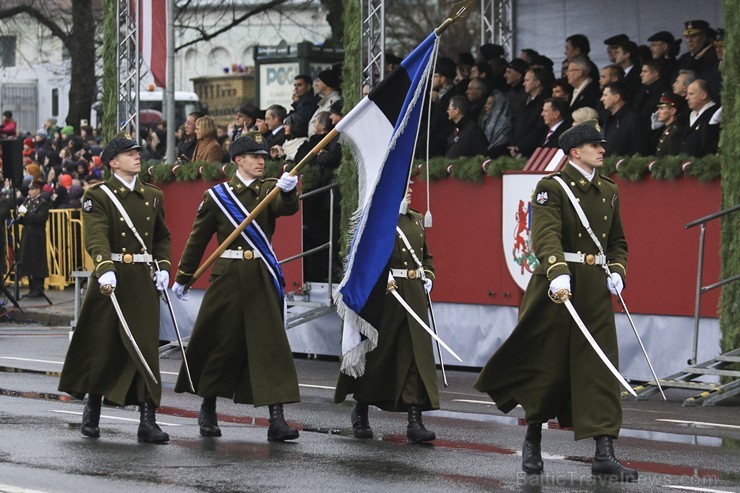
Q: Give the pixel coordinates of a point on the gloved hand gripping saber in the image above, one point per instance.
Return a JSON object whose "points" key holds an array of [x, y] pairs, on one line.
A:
{"points": [[108, 290], [563, 296]]}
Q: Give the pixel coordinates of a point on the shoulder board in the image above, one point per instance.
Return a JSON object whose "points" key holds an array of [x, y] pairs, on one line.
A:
{"points": [[94, 185], [551, 175], [150, 185], [606, 178], [269, 179]]}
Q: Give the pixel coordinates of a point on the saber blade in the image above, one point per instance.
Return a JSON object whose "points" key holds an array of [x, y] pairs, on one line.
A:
{"points": [[168, 302], [595, 346], [439, 348], [634, 329], [130, 336], [423, 325]]}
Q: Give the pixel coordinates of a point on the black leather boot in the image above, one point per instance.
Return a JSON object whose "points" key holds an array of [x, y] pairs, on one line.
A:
{"points": [[149, 430], [415, 431], [360, 422], [606, 465], [91, 416], [531, 451], [207, 418], [279, 430]]}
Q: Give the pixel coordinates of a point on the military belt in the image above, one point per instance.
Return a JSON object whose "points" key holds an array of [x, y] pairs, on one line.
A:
{"points": [[408, 273], [241, 254], [129, 258], [586, 258]]}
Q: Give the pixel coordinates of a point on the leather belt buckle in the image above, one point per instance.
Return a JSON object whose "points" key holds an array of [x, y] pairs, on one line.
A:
{"points": [[411, 273], [127, 258], [248, 254], [590, 259]]}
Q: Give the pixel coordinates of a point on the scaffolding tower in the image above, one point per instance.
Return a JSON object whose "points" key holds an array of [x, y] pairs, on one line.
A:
{"points": [[127, 52], [372, 45], [497, 24]]}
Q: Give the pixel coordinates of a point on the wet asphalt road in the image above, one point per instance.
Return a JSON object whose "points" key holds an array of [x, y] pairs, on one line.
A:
{"points": [[478, 448]]}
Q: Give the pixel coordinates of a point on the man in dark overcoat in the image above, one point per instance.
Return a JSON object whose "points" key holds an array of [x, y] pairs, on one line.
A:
{"points": [[546, 365], [239, 349], [33, 214], [400, 373], [101, 360]]}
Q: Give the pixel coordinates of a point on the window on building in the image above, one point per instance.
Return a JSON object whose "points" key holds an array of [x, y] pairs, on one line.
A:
{"points": [[7, 51]]}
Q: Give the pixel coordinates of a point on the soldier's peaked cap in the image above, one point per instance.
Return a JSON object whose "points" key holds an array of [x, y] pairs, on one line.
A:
{"points": [[583, 133], [120, 143], [250, 143]]}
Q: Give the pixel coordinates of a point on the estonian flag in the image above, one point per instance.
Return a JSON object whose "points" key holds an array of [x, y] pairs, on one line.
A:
{"points": [[381, 131]]}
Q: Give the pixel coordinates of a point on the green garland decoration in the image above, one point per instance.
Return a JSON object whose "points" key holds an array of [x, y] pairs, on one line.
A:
{"points": [[351, 91], [729, 305], [472, 169], [110, 71]]}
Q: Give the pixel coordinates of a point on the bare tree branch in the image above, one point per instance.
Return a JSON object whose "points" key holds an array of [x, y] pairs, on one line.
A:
{"points": [[40, 17], [235, 22]]}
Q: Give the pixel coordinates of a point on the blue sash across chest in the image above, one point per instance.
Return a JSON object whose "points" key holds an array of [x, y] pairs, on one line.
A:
{"points": [[236, 212]]}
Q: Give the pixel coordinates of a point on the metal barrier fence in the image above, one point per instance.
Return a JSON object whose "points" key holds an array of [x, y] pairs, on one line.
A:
{"points": [[65, 251]]}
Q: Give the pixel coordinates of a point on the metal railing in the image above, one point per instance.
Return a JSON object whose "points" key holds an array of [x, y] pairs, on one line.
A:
{"points": [[702, 223]]}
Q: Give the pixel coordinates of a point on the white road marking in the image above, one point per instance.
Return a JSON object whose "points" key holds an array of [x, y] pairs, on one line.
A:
{"points": [[6, 488], [700, 423], [693, 488], [326, 387], [472, 401], [111, 417], [33, 360]]}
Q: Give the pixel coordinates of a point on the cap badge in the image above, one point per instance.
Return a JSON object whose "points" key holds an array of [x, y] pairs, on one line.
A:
{"points": [[258, 138]]}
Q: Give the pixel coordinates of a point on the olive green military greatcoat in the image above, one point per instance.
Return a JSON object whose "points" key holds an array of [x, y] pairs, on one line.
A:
{"points": [[100, 359], [389, 379], [239, 348], [546, 365]]}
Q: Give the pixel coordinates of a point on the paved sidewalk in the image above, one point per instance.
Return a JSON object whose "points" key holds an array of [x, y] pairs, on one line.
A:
{"points": [[37, 310]]}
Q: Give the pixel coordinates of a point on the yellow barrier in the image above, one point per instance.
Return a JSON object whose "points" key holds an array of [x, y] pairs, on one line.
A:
{"points": [[65, 251]]}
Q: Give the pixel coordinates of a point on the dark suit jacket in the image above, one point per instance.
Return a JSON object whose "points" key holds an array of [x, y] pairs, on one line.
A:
{"points": [[700, 140], [276, 139], [552, 142], [626, 134], [440, 125], [632, 82], [589, 97], [466, 139], [529, 129]]}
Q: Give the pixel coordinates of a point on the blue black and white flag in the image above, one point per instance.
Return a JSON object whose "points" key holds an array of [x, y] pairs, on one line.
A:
{"points": [[381, 131]]}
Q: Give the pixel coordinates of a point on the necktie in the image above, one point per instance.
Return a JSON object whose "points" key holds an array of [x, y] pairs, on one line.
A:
{"points": [[549, 134]]}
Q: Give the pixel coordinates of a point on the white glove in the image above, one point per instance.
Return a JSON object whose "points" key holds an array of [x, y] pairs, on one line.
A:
{"points": [[287, 182], [162, 279], [180, 291], [109, 278], [22, 209], [428, 285], [615, 284], [560, 282]]}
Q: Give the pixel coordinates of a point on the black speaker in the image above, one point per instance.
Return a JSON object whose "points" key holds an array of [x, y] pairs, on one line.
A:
{"points": [[13, 160]]}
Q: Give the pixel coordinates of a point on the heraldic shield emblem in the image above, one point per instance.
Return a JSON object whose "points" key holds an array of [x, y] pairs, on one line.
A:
{"points": [[516, 222]]}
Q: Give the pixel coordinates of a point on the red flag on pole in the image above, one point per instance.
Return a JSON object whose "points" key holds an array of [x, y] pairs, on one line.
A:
{"points": [[153, 38]]}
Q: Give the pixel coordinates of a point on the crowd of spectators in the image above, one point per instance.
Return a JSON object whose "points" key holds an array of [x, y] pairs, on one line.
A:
{"points": [[648, 99]]}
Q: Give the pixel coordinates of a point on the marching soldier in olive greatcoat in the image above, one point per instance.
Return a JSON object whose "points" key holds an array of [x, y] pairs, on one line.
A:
{"points": [[33, 214], [400, 373], [547, 365], [114, 356], [239, 349]]}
